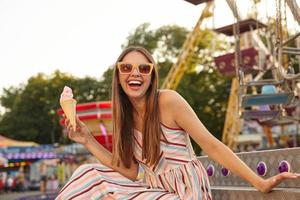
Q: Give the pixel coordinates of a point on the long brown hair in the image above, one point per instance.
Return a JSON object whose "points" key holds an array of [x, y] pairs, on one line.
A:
{"points": [[123, 122]]}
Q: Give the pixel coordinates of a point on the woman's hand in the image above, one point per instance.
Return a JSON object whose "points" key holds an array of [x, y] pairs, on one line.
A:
{"points": [[82, 134], [268, 184]]}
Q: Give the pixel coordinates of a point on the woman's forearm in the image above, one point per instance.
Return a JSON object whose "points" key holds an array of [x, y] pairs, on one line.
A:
{"points": [[105, 157], [223, 155], [102, 154]]}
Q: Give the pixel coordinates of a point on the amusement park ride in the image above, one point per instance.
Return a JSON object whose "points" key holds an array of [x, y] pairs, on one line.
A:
{"points": [[273, 101], [98, 117], [247, 65], [277, 103]]}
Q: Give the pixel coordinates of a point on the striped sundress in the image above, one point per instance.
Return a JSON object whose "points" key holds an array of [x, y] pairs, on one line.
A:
{"points": [[177, 175]]}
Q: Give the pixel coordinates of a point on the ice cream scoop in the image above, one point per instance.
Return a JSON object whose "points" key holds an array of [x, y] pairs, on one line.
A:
{"points": [[68, 104], [66, 94]]}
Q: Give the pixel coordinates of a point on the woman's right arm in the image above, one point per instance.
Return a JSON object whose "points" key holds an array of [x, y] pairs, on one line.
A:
{"points": [[105, 157], [84, 137]]}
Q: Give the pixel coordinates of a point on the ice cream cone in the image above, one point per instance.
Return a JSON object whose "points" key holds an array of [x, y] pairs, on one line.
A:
{"points": [[69, 108]]}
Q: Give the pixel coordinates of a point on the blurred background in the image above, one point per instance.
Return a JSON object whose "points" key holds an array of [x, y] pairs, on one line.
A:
{"points": [[239, 50]]}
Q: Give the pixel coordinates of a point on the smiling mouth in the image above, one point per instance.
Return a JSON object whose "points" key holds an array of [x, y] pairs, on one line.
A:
{"points": [[135, 83]]}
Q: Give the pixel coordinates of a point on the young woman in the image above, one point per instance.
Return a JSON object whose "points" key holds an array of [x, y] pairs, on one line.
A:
{"points": [[151, 131]]}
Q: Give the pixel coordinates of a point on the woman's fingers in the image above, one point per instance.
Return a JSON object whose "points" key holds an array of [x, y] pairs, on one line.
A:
{"points": [[271, 182], [289, 175], [68, 124], [79, 122], [70, 129], [71, 134], [283, 176], [67, 121]]}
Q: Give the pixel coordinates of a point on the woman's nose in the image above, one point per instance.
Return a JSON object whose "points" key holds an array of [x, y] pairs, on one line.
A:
{"points": [[135, 72]]}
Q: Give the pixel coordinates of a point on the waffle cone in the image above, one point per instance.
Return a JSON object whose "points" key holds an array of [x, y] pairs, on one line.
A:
{"points": [[69, 108]]}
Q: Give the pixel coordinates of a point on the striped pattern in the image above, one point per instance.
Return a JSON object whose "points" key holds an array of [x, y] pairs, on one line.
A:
{"points": [[177, 175]]}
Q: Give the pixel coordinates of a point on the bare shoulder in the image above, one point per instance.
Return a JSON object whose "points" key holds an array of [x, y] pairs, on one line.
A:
{"points": [[171, 102], [167, 105], [169, 98]]}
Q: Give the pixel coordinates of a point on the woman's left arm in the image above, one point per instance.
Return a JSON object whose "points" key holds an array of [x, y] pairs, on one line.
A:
{"points": [[186, 118]]}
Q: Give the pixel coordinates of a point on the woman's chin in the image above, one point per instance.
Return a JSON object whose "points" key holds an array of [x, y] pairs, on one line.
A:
{"points": [[137, 94]]}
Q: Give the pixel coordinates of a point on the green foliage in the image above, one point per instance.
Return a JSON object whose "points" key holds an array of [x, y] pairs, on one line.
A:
{"points": [[139, 38], [31, 109]]}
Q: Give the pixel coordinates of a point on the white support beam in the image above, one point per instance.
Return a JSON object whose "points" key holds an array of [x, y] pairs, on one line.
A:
{"points": [[237, 14], [292, 4], [255, 38]]}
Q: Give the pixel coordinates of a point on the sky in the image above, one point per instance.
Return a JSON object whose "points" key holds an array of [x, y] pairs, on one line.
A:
{"points": [[84, 37]]}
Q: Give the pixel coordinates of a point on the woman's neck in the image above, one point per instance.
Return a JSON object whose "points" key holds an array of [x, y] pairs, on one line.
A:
{"points": [[139, 106]]}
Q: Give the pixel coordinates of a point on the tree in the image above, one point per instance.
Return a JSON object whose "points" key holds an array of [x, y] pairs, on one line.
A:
{"points": [[31, 108]]}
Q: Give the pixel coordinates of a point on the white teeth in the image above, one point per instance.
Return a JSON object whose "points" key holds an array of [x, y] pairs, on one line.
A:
{"points": [[135, 82]]}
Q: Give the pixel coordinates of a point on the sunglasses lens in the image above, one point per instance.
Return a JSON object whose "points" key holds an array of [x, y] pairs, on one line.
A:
{"points": [[125, 67], [144, 68]]}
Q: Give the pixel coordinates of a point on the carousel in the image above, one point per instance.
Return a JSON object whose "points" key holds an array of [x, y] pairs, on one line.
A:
{"points": [[98, 117]]}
